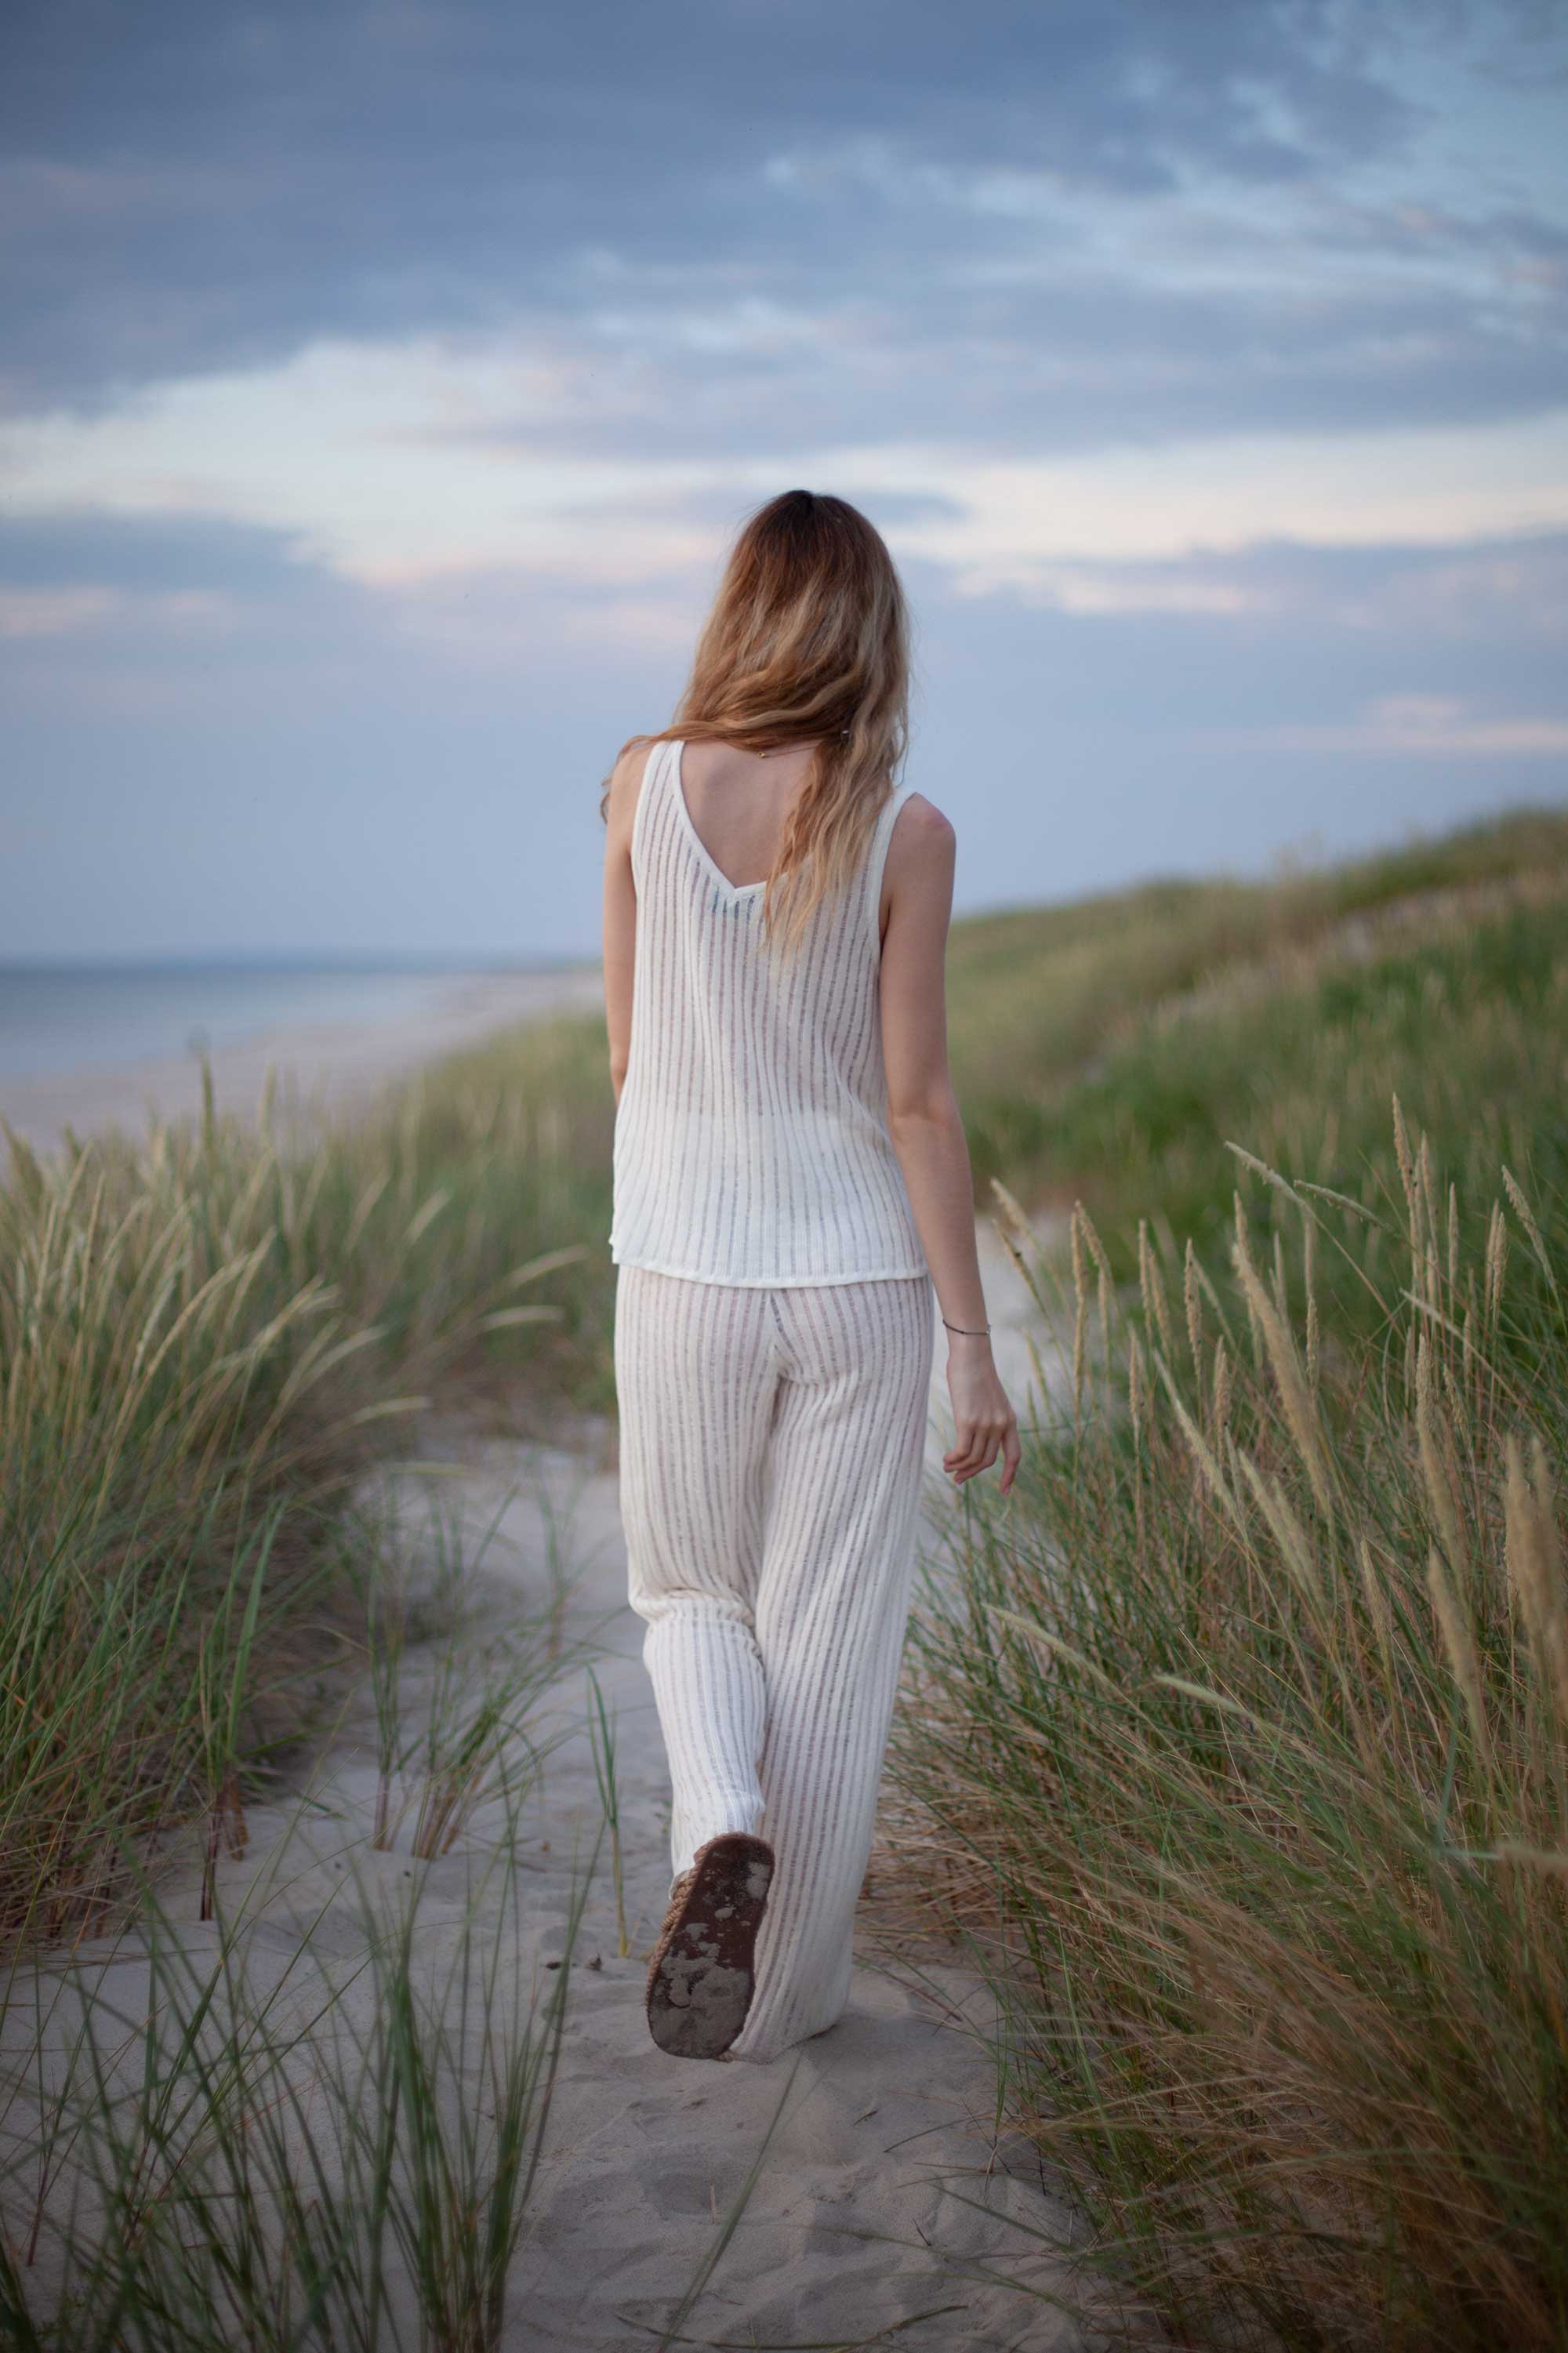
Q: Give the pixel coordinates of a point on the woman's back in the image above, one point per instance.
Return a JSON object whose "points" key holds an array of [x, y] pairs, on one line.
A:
{"points": [[752, 1144], [739, 801]]}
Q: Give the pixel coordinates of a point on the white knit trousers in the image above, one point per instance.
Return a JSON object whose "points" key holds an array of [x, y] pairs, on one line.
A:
{"points": [[771, 1447]]}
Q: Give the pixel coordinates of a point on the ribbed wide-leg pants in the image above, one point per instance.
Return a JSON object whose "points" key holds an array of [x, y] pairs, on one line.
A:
{"points": [[770, 1450]]}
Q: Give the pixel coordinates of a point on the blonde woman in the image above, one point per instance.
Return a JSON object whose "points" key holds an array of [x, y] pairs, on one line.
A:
{"points": [[791, 1184]]}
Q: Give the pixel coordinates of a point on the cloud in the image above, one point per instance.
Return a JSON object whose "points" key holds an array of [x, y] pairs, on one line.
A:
{"points": [[1510, 592], [395, 463], [1436, 726], [384, 380], [52, 612], [188, 193], [1110, 594], [70, 612]]}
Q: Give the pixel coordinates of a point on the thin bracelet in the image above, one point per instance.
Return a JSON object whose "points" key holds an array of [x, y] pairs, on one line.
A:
{"points": [[981, 1333]]}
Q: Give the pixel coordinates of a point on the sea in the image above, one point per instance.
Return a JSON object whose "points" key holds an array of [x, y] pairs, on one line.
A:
{"points": [[67, 1017]]}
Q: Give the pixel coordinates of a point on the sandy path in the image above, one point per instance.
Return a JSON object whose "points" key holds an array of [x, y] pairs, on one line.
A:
{"points": [[856, 2225]]}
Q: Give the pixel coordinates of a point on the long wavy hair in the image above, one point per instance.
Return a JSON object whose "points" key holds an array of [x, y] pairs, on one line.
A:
{"points": [[808, 641]]}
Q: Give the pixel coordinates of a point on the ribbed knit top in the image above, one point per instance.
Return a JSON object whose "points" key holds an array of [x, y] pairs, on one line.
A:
{"points": [[751, 1143]]}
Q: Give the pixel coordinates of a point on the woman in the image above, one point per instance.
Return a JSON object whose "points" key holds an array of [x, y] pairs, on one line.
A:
{"points": [[791, 1183]]}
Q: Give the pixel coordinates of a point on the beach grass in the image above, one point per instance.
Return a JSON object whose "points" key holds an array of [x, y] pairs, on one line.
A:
{"points": [[1235, 1744], [312, 2108], [219, 2152], [207, 1334]]}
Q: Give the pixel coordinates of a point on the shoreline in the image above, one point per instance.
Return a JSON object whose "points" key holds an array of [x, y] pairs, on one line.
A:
{"points": [[332, 1064]]}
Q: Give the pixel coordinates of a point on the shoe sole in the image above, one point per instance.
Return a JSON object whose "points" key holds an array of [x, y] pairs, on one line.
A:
{"points": [[699, 1978]]}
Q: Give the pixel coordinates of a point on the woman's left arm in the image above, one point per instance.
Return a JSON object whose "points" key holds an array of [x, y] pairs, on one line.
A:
{"points": [[927, 1129], [620, 910]]}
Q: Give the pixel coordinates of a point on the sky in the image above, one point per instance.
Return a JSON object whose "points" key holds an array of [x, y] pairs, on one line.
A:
{"points": [[382, 385]]}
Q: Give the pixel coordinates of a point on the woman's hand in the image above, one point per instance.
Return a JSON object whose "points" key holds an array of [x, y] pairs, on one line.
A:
{"points": [[985, 1423]]}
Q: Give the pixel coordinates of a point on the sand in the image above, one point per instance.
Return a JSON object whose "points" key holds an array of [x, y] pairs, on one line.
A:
{"points": [[334, 1062]]}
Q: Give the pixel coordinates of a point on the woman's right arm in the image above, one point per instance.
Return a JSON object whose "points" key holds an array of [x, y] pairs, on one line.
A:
{"points": [[927, 1130]]}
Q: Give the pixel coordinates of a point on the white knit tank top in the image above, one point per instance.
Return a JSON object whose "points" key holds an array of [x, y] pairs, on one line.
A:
{"points": [[751, 1143]]}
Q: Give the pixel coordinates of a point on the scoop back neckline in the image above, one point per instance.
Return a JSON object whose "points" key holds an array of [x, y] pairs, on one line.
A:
{"points": [[736, 889]]}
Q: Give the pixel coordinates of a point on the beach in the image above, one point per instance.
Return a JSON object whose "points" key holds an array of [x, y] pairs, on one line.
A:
{"points": [[328, 1061]]}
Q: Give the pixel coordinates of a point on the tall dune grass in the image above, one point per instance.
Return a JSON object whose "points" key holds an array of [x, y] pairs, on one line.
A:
{"points": [[316, 2115], [1237, 1743], [206, 1333]]}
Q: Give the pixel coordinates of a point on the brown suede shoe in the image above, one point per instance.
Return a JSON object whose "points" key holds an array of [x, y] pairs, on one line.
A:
{"points": [[700, 1974]]}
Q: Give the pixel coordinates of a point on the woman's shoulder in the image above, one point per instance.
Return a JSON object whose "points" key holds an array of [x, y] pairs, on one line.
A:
{"points": [[921, 831], [631, 766], [623, 786], [917, 871]]}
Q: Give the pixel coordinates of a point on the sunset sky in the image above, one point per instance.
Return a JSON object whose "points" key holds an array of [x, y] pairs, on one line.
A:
{"points": [[383, 383]]}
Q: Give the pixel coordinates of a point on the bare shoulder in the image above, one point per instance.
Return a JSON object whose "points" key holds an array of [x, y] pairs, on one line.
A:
{"points": [[916, 880], [923, 840], [626, 776], [624, 787]]}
